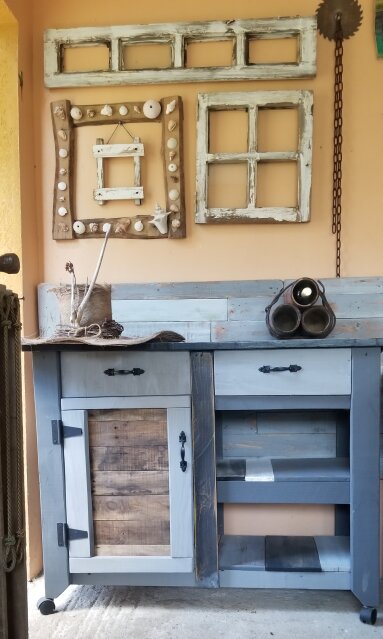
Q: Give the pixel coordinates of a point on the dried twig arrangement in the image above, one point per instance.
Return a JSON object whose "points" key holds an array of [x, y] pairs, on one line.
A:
{"points": [[108, 328]]}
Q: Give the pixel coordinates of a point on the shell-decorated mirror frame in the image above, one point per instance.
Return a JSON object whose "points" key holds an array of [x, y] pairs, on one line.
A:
{"points": [[162, 223]]}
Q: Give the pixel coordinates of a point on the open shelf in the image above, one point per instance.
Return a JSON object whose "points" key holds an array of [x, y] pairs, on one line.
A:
{"points": [[277, 561], [265, 480]]}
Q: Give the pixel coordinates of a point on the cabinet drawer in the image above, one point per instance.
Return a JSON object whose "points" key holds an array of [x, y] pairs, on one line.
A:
{"points": [[83, 374], [321, 372]]}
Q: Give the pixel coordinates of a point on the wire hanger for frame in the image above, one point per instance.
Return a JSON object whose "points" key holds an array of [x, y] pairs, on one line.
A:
{"points": [[120, 124]]}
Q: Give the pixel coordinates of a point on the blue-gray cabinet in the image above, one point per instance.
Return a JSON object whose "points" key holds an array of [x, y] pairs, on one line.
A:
{"points": [[139, 450]]}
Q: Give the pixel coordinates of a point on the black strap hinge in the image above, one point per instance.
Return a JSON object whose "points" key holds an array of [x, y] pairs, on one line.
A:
{"points": [[59, 431], [66, 534]]}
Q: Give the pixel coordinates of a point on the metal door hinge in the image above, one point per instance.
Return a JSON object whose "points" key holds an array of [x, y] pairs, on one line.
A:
{"points": [[59, 431], [66, 534]]}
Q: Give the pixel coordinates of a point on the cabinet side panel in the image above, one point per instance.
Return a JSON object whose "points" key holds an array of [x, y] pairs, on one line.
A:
{"points": [[46, 372], [203, 425], [364, 485]]}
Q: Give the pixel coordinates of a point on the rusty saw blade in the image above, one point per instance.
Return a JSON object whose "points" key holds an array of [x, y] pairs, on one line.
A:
{"points": [[350, 13]]}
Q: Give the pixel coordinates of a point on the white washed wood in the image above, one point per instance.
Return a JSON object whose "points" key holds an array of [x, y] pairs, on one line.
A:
{"points": [[182, 310], [178, 34], [48, 309], [77, 483], [324, 372], [94, 403], [137, 169], [252, 117], [119, 193], [165, 374], [290, 446], [238, 331], [263, 156], [135, 151], [249, 331], [251, 101], [191, 331], [271, 579], [131, 565], [195, 290], [282, 423], [249, 423], [251, 309], [180, 484], [117, 150], [264, 214], [100, 176]]}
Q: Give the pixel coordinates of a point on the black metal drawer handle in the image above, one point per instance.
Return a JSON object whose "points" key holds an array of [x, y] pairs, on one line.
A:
{"points": [[293, 368], [113, 371]]}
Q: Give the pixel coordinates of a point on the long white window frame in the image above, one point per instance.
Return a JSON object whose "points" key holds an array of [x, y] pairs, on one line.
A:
{"points": [[178, 36]]}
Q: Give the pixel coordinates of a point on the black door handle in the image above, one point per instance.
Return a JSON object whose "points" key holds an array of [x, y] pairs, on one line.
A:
{"points": [[113, 371], [293, 368], [182, 440]]}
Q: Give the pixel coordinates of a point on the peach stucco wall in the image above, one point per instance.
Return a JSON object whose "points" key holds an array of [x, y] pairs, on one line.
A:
{"points": [[234, 251]]}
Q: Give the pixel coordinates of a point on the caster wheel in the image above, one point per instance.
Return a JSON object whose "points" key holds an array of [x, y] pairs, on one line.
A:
{"points": [[46, 606], [368, 615]]}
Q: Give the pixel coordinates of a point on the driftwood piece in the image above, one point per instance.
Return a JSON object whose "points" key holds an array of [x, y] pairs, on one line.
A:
{"points": [[66, 118]]}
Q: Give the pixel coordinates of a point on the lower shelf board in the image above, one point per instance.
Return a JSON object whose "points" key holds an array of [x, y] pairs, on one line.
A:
{"points": [[294, 554], [320, 562]]}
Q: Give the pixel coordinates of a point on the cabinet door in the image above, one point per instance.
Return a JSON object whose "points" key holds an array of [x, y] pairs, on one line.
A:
{"points": [[129, 503]]}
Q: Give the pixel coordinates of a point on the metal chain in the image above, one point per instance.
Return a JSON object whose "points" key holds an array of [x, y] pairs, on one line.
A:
{"points": [[338, 140]]}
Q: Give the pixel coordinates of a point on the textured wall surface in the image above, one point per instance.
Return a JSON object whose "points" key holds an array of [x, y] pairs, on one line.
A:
{"points": [[231, 251]]}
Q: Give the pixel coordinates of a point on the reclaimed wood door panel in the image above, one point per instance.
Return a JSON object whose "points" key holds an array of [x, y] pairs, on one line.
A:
{"points": [[132, 550], [128, 458], [130, 479], [130, 483], [142, 533], [120, 458], [125, 508], [128, 427]]}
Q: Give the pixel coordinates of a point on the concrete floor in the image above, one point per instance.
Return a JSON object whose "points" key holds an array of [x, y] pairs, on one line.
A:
{"points": [[92, 612]]}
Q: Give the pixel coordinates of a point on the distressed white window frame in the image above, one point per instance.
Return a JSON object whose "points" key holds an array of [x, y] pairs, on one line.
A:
{"points": [[251, 102], [178, 36], [135, 150]]}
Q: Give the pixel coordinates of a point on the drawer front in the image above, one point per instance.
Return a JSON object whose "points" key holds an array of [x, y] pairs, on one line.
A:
{"points": [[321, 372], [83, 374]]}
